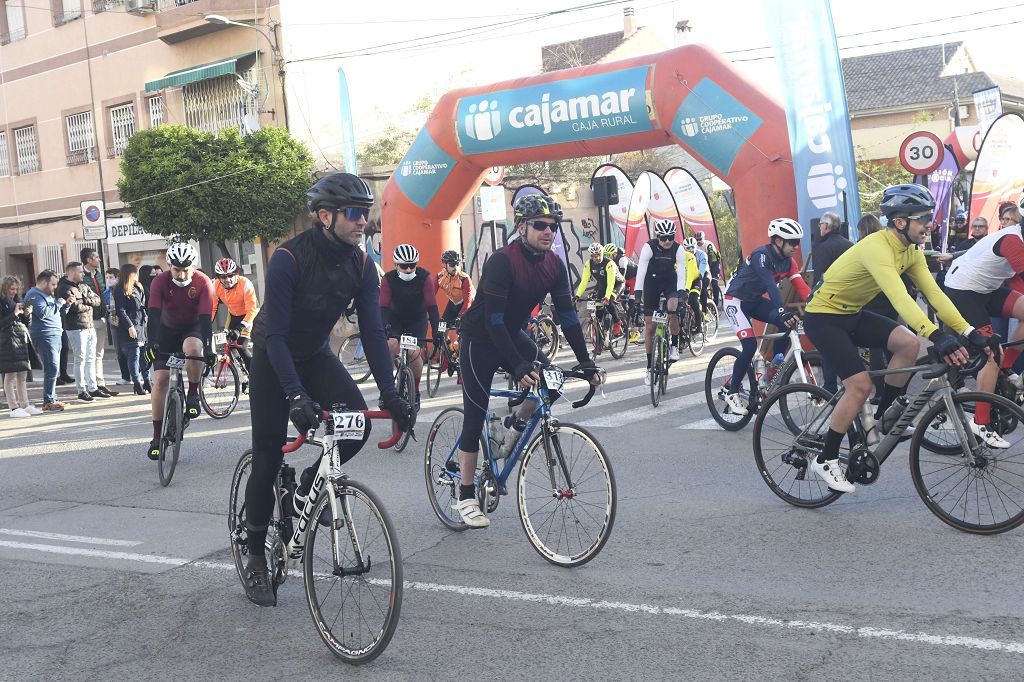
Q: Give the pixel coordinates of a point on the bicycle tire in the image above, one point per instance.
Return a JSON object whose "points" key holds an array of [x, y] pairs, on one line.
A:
{"points": [[442, 488], [783, 461], [405, 383], [352, 357], [656, 369], [592, 333], [616, 344], [548, 331], [714, 382], [811, 360], [238, 537], [695, 341], [214, 375], [170, 436], [711, 322], [434, 371], [984, 477], [665, 365], [384, 586], [566, 506]]}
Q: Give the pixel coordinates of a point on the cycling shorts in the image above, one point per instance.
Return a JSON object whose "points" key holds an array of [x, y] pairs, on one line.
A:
{"points": [[716, 269], [979, 309], [172, 340], [741, 312], [838, 338], [451, 312], [655, 288], [399, 327]]}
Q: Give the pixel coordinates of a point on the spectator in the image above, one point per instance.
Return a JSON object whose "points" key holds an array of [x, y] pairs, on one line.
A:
{"points": [[93, 278], [979, 228], [129, 309], [14, 355], [146, 275], [81, 300], [45, 331], [831, 245], [958, 230], [112, 280]]}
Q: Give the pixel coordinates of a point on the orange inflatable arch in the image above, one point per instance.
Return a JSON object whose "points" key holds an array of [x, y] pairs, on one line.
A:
{"points": [[689, 95]]}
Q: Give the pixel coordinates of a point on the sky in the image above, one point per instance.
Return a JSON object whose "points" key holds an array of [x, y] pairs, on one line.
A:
{"points": [[389, 67]]}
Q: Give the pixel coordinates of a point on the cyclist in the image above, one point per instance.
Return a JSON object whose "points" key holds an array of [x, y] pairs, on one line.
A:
{"points": [[180, 320], [456, 286], [239, 295], [714, 262], [664, 269], [754, 294], [407, 299], [312, 280], [515, 279], [837, 325], [628, 269], [606, 277], [699, 288]]}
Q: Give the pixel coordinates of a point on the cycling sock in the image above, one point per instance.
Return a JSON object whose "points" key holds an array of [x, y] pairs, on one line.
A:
{"points": [[748, 347], [466, 492], [982, 413], [193, 389], [158, 426], [889, 394], [675, 339], [833, 439], [1010, 355], [257, 540]]}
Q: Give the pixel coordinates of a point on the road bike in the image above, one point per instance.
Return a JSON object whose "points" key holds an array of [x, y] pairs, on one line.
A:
{"points": [[351, 564], [565, 489], [599, 329], [660, 362], [798, 365], [691, 333], [967, 484], [405, 381], [443, 358], [226, 379], [544, 332], [175, 419]]}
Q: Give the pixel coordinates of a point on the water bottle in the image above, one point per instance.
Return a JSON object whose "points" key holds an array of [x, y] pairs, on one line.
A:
{"points": [[893, 414], [287, 491], [515, 426], [773, 368], [495, 432], [867, 419]]}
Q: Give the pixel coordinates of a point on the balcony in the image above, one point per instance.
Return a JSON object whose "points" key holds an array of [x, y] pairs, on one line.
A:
{"points": [[67, 16], [77, 158], [16, 34], [179, 20], [104, 5]]}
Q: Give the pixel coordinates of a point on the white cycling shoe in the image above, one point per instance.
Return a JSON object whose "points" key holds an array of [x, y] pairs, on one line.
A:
{"points": [[833, 475], [471, 515], [989, 438], [647, 377], [673, 354], [736, 405], [1015, 380]]}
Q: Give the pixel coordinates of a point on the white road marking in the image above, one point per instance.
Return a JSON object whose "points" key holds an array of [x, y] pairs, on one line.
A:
{"points": [[646, 412], [69, 538], [708, 424], [865, 632]]}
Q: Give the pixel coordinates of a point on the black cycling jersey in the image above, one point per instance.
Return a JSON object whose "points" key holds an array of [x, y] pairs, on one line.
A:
{"points": [[663, 261]]}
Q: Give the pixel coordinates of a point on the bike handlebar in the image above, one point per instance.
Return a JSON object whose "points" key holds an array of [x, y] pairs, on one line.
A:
{"points": [[369, 414], [940, 367], [569, 374]]}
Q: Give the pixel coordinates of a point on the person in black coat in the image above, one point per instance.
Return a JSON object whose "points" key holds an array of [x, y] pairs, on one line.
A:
{"points": [[14, 344], [129, 305], [831, 245]]}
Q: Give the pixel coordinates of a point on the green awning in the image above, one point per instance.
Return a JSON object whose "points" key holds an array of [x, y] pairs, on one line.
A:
{"points": [[192, 74]]}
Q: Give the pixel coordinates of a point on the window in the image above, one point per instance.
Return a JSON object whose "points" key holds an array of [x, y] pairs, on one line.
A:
{"points": [[156, 111], [28, 152], [122, 127], [214, 104], [81, 143], [15, 23], [67, 10], [5, 163]]}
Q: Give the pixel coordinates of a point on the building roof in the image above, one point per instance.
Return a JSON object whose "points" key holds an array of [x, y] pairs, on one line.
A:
{"points": [[579, 52], [916, 76]]}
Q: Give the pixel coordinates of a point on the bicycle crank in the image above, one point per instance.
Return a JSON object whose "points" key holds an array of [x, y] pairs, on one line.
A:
{"points": [[863, 468]]}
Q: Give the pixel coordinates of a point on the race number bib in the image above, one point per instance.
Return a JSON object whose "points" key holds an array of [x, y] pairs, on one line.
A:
{"points": [[409, 343], [174, 362], [660, 317], [220, 338], [348, 425], [554, 378], [591, 305], [442, 327]]}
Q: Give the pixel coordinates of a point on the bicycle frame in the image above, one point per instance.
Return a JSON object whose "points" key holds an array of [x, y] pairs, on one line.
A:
{"points": [[795, 354]]}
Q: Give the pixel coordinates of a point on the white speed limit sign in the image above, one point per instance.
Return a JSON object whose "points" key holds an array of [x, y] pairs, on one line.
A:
{"points": [[921, 152]]}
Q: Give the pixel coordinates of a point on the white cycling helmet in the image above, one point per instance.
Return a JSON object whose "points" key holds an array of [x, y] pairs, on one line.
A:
{"points": [[689, 243], [787, 228], [595, 249], [406, 254], [664, 228], [182, 255]]}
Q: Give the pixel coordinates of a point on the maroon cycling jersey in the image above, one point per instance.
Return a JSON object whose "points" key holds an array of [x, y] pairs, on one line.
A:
{"points": [[180, 307]]}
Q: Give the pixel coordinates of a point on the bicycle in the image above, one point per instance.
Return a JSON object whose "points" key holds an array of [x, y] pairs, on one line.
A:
{"points": [[565, 474], [711, 321], [405, 382], [660, 362], [689, 332], [545, 333], [443, 357], [360, 564], [226, 379], [599, 329], [175, 419], [759, 382], [961, 485]]}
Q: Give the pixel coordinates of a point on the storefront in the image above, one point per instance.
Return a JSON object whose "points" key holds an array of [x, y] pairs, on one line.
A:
{"points": [[130, 243]]}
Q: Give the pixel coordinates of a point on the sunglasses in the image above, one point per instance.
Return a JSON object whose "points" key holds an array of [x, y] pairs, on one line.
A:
{"points": [[792, 242], [924, 217], [542, 225], [666, 239], [406, 266], [354, 213]]}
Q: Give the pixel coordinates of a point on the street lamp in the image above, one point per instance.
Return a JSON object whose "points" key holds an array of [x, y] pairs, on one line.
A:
{"points": [[221, 20]]}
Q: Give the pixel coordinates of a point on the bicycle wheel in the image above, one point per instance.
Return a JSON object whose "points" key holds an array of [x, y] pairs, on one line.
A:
{"points": [[567, 525], [352, 570], [982, 493], [405, 383], [716, 388], [237, 533], [812, 368], [220, 388], [711, 322], [782, 458], [656, 369], [170, 436], [695, 338], [592, 334], [434, 371], [353, 358], [440, 465], [616, 343], [547, 336], [665, 365]]}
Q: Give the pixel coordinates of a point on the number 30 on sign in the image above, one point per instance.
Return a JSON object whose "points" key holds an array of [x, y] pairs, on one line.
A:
{"points": [[921, 152]]}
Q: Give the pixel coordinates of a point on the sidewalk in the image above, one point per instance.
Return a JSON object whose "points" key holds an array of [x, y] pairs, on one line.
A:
{"points": [[68, 394]]}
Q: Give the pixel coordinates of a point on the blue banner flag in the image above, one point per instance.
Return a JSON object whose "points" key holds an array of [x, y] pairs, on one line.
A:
{"points": [[348, 137], [819, 121]]}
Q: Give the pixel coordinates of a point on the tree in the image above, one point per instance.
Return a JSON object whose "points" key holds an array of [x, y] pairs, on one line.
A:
{"points": [[873, 177], [387, 149], [728, 232], [186, 184]]}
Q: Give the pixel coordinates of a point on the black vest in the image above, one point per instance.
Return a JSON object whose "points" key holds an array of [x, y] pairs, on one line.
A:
{"points": [[407, 297], [330, 278], [662, 263]]}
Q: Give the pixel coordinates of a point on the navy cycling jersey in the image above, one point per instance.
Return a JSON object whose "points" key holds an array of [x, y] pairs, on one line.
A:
{"points": [[760, 275], [514, 281]]}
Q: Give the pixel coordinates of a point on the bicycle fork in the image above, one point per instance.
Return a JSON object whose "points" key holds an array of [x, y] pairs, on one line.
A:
{"points": [[553, 451]]}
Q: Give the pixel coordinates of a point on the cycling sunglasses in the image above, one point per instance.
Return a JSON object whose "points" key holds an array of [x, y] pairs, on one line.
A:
{"points": [[406, 266], [792, 242], [666, 239], [354, 213], [923, 217], [541, 225]]}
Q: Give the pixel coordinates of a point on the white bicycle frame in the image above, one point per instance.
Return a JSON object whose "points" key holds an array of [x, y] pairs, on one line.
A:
{"points": [[795, 351]]}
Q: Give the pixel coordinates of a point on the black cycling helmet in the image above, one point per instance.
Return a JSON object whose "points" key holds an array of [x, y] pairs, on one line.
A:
{"points": [[902, 200], [536, 206], [450, 257], [337, 190]]}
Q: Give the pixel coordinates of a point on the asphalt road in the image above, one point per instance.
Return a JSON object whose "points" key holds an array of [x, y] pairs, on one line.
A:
{"points": [[105, 574]]}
